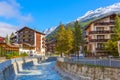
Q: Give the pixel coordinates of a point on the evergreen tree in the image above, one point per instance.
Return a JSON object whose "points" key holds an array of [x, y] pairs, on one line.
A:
{"points": [[7, 39], [77, 37], [11, 36], [60, 37]]}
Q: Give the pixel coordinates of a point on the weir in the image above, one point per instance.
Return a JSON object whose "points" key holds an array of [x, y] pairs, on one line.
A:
{"points": [[13, 67]]}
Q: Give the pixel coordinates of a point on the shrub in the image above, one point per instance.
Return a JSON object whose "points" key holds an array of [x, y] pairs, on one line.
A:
{"points": [[12, 55], [15, 55], [24, 54], [8, 56]]}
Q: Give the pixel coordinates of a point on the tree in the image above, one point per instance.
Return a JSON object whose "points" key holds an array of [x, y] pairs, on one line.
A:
{"points": [[77, 37], [7, 39], [64, 40], [60, 37], [111, 45], [11, 36], [68, 40], [117, 29]]}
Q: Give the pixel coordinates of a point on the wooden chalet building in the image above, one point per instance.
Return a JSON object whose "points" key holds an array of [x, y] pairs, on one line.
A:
{"points": [[99, 32], [6, 48]]}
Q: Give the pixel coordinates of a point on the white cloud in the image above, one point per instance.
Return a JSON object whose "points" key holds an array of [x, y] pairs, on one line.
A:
{"points": [[10, 9], [6, 29]]}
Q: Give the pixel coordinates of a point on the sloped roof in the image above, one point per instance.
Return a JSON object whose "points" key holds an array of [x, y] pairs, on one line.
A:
{"points": [[2, 38], [30, 29], [98, 20]]}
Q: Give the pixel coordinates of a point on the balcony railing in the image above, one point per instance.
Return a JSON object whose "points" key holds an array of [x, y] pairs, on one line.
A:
{"points": [[100, 50], [105, 23], [99, 40], [101, 32]]}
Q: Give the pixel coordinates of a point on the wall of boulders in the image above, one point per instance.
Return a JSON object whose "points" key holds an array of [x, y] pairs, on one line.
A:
{"points": [[89, 72]]}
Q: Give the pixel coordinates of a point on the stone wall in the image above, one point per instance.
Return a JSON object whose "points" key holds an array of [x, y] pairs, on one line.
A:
{"points": [[89, 72]]}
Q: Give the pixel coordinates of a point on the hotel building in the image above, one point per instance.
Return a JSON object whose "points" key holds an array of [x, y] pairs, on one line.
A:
{"points": [[32, 38], [99, 32]]}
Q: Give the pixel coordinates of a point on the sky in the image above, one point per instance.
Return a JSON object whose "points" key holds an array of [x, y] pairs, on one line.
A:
{"points": [[43, 14]]}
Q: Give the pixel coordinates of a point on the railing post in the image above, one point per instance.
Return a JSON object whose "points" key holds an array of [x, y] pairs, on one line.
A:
{"points": [[110, 62]]}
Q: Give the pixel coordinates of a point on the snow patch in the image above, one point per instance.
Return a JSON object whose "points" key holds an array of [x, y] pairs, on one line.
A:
{"points": [[50, 30], [115, 8]]}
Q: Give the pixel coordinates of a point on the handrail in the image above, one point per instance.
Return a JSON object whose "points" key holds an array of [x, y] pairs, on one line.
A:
{"points": [[98, 62]]}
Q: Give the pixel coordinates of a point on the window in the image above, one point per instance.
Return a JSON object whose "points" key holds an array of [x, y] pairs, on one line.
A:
{"points": [[111, 28], [23, 39], [23, 35], [21, 32], [29, 39], [99, 28], [100, 36], [26, 31], [100, 45], [26, 39]]}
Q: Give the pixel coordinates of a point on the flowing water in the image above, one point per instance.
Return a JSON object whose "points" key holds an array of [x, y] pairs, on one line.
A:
{"points": [[43, 71]]}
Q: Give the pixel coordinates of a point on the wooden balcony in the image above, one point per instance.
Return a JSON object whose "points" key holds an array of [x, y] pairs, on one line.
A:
{"points": [[101, 50], [99, 40], [104, 23], [44, 39], [101, 32]]}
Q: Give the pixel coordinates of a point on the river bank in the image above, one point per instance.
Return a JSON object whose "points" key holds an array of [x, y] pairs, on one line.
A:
{"points": [[87, 72]]}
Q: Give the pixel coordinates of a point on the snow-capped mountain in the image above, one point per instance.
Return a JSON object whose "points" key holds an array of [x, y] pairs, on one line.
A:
{"points": [[90, 16], [50, 30], [115, 8]]}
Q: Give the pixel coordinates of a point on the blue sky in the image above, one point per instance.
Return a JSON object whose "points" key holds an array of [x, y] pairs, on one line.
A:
{"points": [[43, 14]]}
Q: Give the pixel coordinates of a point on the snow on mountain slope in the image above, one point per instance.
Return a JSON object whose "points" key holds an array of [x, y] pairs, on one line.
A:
{"points": [[93, 14], [50, 30], [115, 8]]}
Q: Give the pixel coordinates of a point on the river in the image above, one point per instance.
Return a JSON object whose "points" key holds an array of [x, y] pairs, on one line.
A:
{"points": [[42, 71]]}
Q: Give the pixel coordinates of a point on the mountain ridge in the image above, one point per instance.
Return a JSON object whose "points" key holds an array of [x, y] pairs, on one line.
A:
{"points": [[91, 16]]}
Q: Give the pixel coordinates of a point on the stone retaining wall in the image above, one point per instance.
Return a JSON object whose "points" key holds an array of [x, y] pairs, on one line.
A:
{"points": [[89, 72]]}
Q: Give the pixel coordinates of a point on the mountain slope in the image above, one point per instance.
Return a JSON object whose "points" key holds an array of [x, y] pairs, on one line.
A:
{"points": [[115, 8], [48, 31], [91, 16]]}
